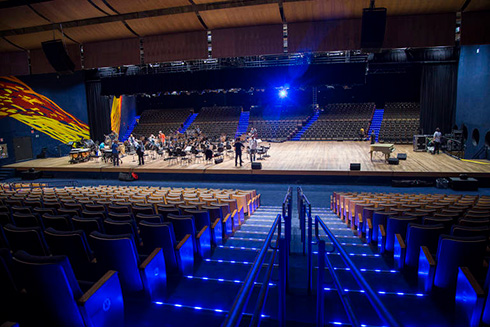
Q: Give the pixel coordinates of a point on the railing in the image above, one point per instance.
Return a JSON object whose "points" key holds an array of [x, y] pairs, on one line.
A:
{"points": [[34, 185], [304, 210], [234, 317], [381, 310]]}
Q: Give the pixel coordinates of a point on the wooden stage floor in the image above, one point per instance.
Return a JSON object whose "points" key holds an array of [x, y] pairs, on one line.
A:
{"points": [[291, 158]]}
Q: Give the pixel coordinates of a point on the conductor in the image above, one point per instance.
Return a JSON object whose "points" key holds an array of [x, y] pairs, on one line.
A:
{"points": [[238, 151]]}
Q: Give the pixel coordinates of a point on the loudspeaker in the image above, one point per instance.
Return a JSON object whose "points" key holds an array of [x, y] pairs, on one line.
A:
{"points": [[256, 165], [355, 166], [402, 156], [218, 160], [58, 58], [393, 161], [373, 29]]}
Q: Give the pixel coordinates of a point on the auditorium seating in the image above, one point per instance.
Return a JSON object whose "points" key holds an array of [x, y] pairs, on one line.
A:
{"points": [[215, 121], [277, 124], [402, 224], [58, 299], [340, 121], [165, 120], [401, 121]]}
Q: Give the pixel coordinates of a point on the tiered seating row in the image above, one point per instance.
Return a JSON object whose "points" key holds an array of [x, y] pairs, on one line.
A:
{"points": [[126, 238], [215, 121], [401, 121], [165, 120], [432, 233], [340, 121]]}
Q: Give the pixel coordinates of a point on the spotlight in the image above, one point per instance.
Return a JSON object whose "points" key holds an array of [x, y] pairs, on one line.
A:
{"points": [[283, 93]]}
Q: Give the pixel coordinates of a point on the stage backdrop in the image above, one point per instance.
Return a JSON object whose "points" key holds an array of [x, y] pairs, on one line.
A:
{"points": [[123, 114], [41, 111], [473, 97]]}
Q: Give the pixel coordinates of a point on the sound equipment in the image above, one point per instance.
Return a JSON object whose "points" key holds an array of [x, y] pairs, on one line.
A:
{"points": [[461, 184], [393, 161], [402, 156], [355, 166], [58, 58], [218, 160], [31, 175], [256, 165], [420, 143], [373, 29], [126, 177]]}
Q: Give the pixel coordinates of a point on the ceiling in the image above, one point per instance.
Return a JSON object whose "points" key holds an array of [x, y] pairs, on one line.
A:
{"points": [[25, 24]]}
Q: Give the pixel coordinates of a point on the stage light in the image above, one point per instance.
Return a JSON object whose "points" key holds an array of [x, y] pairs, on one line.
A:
{"points": [[283, 93]]}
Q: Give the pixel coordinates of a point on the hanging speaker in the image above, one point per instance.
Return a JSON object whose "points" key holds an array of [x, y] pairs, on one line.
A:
{"points": [[373, 29], [58, 58]]}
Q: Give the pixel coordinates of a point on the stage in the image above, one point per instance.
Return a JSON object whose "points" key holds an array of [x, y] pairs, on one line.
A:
{"points": [[315, 158]]}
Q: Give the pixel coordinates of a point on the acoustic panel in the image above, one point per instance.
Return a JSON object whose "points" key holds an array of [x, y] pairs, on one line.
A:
{"points": [[112, 53], [171, 47], [14, 63]]}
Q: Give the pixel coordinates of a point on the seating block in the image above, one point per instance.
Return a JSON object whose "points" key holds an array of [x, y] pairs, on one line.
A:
{"points": [[426, 270], [470, 297], [154, 276], [399, 252]]}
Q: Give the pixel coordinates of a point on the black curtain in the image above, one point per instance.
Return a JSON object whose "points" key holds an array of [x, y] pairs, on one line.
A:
{"points": [[438, 97], [99, 111]]}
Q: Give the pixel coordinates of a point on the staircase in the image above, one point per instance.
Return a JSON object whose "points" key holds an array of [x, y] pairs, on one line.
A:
{"points": [[309, 122], [188, 123], [130, 128], [204, 297], [242, 123], [6, 173], [376, 122]]}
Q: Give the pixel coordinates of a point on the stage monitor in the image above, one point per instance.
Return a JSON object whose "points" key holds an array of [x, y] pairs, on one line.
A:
{"points": [[373, 29]]}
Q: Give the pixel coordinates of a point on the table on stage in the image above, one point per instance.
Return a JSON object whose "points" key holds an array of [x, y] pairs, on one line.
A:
{"points": [[387, 149]]}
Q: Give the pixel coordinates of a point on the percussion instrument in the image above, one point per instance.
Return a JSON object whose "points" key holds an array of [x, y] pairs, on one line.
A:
{"points": [[79, 155]]}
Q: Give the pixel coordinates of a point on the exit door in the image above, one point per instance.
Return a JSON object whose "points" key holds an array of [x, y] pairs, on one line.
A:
{"points": [[22, 148]]}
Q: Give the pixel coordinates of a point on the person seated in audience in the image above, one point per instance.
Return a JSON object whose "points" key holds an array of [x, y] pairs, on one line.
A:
{"points": [[362, 134]]}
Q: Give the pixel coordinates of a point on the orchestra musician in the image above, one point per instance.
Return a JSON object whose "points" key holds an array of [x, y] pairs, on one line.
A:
{"points": [[115, 153]]}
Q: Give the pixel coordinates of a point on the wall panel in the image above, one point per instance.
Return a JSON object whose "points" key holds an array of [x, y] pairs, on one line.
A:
{"points": [[14, 63], [475, 28], [171, 47], [112, 53]]}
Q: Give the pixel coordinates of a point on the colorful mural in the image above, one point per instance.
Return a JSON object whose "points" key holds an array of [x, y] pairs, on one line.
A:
{"points": [[116, 114], [21, 102]]}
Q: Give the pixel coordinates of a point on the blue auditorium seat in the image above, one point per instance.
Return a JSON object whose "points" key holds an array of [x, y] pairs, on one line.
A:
{"points": [[69, 212], [58, 299], [470, 298], [166, 211], [5, 218], [201, 239], [474, 222], [417, 236], [118, 252], [119, 209], [29, 239], [58, 222], [42, 211], [225, 211], [201, 219], [143, 209], [10, 296], [27, 220], [380, 218], [93, 214], [179, 257], [116, 227], [21, 209], [459, 230], [396, 225], [75, 246], [452, 252], [150, 218], [88, 225]]}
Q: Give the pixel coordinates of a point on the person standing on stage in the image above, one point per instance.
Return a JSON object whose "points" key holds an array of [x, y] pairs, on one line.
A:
{"points": [[253, 148], [361, 134], [140, 151], [115, 153], [373, 137], [437, 141], [238, 151], [161, 136]]}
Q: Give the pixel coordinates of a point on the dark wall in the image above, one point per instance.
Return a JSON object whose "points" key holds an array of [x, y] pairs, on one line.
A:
{"points": [[473, 95], [61, 98], [128, 113]]}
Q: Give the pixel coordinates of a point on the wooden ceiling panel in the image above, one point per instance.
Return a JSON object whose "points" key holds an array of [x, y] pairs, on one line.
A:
{"points": [[477, 5], [208, 1], [107, 31], [166, 24], [412, 7], [33, 40], [320, 9], [7, 47], [335, 9], [18, 17], [244, 16], [127, 6], [103, 6], [67, 10]]}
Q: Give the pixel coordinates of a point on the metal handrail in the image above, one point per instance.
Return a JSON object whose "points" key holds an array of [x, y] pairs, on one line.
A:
{"points": [[381, 310], [234, 316]]}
